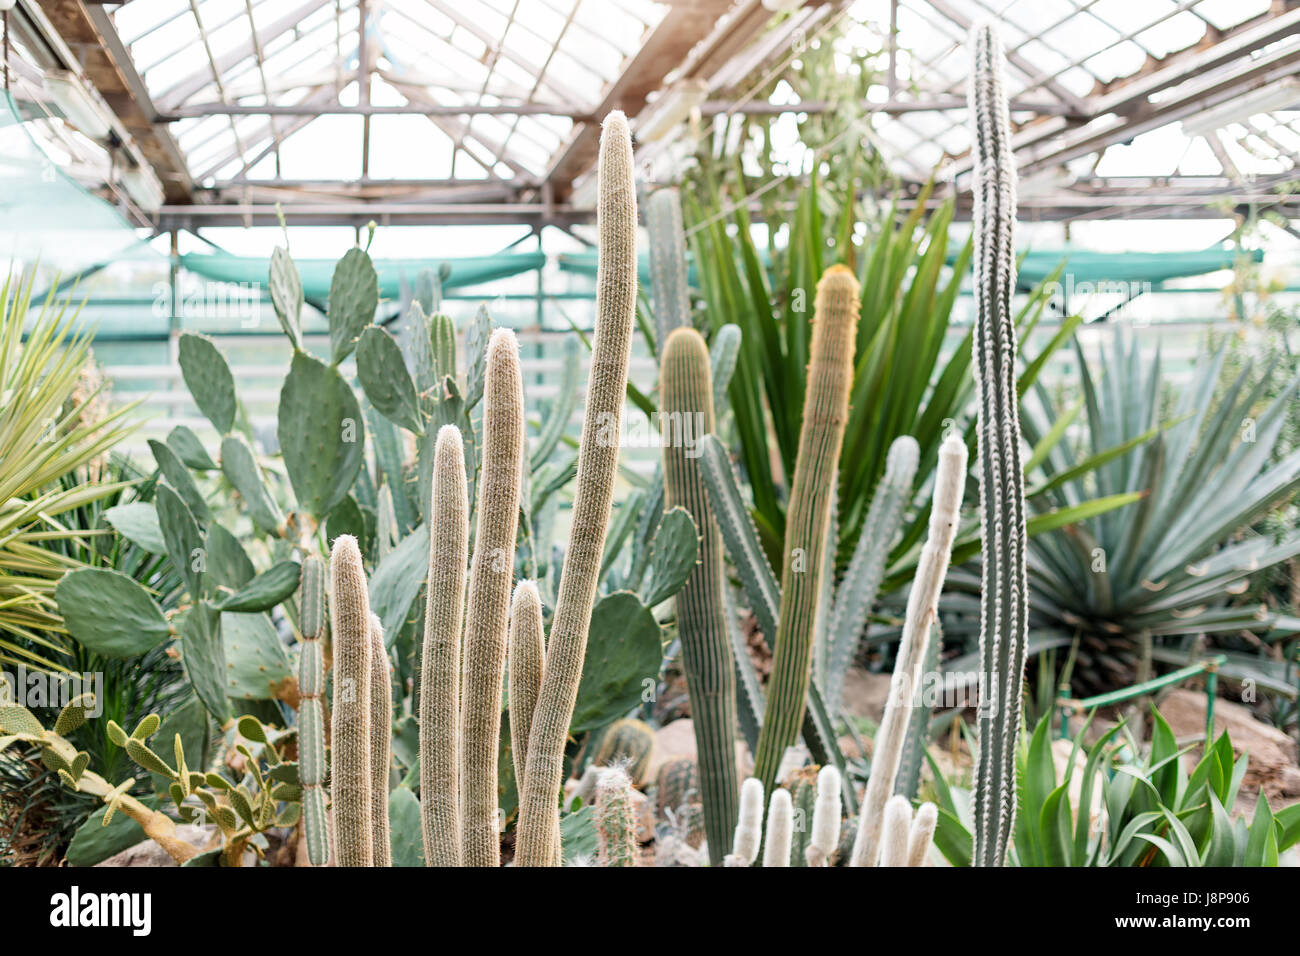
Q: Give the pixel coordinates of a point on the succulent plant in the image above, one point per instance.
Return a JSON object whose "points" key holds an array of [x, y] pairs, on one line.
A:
{"points": [[616, 818], [527, 667], [749, 825], [629, 744], [350, 778]]}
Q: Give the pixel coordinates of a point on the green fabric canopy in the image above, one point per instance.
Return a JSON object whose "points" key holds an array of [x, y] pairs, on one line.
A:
{"points": [[316, 273]]}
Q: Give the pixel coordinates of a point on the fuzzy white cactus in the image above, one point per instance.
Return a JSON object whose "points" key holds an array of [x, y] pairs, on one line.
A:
{"points": [[749, 825], [922, 834], [896, 830], [825, 834], [780, 829]]}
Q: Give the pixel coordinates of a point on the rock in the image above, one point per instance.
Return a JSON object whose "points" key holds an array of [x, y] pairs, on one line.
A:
{"points": [[677, 740], [1272, 769], [148, 853], [865, 693]]}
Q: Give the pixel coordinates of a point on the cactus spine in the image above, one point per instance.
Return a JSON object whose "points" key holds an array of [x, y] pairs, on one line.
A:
{"points": [[749, 825], [922, 607], [527, 666], [826, 818], [780, 829], [686, 390], [538, 835], [1004, 591], [381, 744], [490, 584], [350, 781], [897, 826], [826, 409], [922, 834], [440, 656], [616, 819], [311, 709]]}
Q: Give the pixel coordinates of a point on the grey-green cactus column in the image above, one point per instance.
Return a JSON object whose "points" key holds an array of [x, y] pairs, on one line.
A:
{"points": [[311, 709], [1004, 594], [538, 832], [686, 393], [440, 657]]}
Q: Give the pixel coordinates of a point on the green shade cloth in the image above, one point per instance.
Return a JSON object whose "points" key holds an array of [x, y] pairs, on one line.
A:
{"points": [[316, 273]]}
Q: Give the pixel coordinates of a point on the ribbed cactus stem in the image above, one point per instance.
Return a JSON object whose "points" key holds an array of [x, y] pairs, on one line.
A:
{"points": [[350, 780], [922, 609], [826, 818], [1004, 591], [311, 708], [381, 743], [825, 412], [686, 394], [491, 580], [922, 834], [749, 825], [527, 665], [780, 829], [897, 827], [616, 818], [538, 832], [440, 657]]}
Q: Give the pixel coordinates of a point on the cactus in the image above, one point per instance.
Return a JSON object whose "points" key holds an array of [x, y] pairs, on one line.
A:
{"points": [[780, 827], [630, 744], [538, 834], [1004, 586], [825, 834], [350, 780], [687, 395], [897, 826], [208, 378], [857, 592], [825, 413], [922, 834], [527, 666], [677, 784], [385, 523], [922, 607], [322, 434], [440, 671], [670, 290], [311, 708], [490, 584], [749, 825], [381, 744], [616, 818], [917, 737], [802, 784]]}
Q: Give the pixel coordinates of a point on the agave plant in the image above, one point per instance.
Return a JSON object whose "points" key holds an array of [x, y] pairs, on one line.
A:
{"points": [[1168, 567], [44, 437]]}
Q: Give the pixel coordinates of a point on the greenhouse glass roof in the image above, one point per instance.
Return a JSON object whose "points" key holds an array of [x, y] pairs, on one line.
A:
{"points": [[476, 111]]}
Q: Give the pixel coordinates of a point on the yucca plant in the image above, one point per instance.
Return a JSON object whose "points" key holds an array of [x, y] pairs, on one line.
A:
{"points": [[1144, 811], [43, 438], [1167, 568]]}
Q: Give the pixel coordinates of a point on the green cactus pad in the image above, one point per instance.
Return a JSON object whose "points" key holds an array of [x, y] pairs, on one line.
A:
{"points": [[138, 523], [383, 375], [322, 435], [109, 612], [189, 449], [266, 590], [347, 518], [184, 540], [241, 470], [204, 656], [624, 649], [404, 822], [354, 296], [256, 662], [476, 348], [228, 565], [94, 842], [673, 556], [208, 378], [398, 579], [286, 293], [179, 477]]}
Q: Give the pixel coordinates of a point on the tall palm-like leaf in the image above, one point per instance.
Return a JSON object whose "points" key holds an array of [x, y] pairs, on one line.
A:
{"points": [[43, 438]]}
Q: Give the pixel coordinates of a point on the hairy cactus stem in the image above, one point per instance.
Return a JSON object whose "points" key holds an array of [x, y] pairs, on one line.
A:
{"points": [[749, 825], [897, 826], [527, 667], [350, 736], [780, 829], [616, 818], [826, 818], [381, 744]]}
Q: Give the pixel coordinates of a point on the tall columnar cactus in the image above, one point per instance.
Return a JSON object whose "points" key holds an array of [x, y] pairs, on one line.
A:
{"points": [[749, 825], [311, 709], [381, 744], [527, 667], [1004, 591], [922, 608], [538, 833], [491, 581], [350, 781], [826, 818], [616, 818], [780, 829], [686, 394], [440, 657], [668, 276], [825, 412]]}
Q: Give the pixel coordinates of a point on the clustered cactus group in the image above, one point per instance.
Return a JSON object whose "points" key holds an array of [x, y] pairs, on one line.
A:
{"points": [[484, 618]]}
